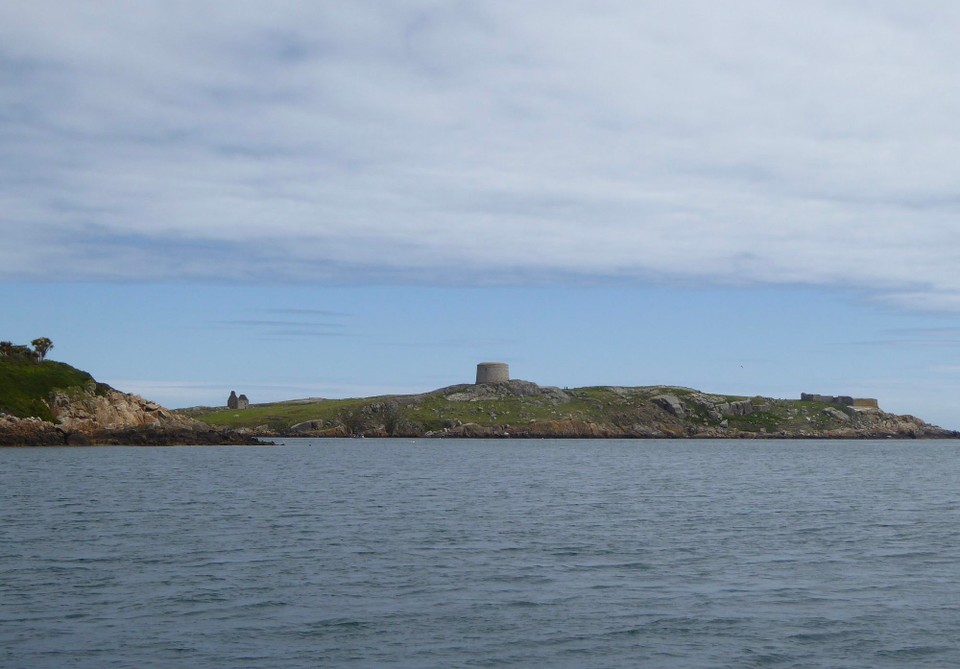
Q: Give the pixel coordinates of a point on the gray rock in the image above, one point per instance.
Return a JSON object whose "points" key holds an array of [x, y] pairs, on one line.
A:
{"points": [[740, 408], [670, 403], [706, 402], [306, 426], [837, 414]]}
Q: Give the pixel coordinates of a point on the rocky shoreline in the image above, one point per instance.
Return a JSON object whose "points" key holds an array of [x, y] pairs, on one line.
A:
{"points": [[509, 410], [523, 410], [84, 417]]}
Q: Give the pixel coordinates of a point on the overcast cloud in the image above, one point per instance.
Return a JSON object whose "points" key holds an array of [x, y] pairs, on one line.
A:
{"points": [[752, 142]]}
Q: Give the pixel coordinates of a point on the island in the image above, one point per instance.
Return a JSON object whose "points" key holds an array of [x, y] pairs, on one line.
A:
{"points": [[48, 403], [496, 406]]}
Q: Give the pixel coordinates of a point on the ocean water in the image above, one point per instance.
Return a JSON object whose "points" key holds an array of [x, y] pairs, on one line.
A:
{"points": [[399, 553]]}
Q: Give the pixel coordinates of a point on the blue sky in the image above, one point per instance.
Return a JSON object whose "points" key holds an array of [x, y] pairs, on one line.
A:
{"points": [[333, 199]]}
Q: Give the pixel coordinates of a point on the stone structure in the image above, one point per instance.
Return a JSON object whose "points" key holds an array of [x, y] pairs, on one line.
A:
{"points": [[493, 372], [234, 402], [845, 400]]}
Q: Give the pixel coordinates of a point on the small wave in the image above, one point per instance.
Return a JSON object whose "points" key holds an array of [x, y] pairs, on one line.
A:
{"points": [[912, 652]]}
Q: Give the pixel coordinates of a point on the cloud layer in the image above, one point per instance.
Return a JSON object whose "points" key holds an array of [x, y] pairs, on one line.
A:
{"points": [[746, 141]]}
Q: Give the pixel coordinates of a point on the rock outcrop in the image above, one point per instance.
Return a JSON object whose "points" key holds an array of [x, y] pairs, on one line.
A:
{"points": [[84, 416], [30, 432], [498, 391], [88, 412]]}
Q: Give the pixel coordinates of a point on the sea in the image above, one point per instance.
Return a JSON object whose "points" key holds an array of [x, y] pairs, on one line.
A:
{"points": [[475, 553]]}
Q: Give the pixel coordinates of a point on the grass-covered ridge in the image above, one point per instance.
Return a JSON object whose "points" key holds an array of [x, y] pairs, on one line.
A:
{"points": [[278, 416], [435, 411], [520, 409], [25, 385]]}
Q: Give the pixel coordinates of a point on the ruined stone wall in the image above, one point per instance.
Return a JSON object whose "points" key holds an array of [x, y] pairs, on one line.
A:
{"points": [[814, 397], [845, 400]]}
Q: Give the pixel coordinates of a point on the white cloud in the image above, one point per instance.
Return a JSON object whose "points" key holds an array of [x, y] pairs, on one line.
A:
{"points": [[770, 142]]}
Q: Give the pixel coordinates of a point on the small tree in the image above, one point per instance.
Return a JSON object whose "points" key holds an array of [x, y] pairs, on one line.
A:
{"points": [[41, 345]]}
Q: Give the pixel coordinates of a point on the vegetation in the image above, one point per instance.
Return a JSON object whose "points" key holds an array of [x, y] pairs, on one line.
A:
{"points": [[25, 386], [279, 416], [593, 411], [26, 379], [620, 409], [518, 408], [10, 352], [41, 346]]}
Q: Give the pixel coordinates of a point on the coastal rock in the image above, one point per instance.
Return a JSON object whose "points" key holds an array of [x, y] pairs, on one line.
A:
{"points": [[84, 416], [836, 414], [670, 403], [550, 429], [739, 408], [87, 412], [30, 432], [155, 435]]}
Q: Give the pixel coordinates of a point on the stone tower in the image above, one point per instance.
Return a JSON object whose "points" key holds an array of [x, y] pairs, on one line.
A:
{"points": [[232, 400], [493, 372]]}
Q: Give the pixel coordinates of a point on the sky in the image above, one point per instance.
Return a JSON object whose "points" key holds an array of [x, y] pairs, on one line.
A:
{"points": [[303, 199]]}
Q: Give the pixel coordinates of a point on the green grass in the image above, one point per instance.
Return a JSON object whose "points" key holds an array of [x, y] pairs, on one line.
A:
{"points": [[24, 386], [755, 422], [281, 415], [434, 412], [604, 405]]}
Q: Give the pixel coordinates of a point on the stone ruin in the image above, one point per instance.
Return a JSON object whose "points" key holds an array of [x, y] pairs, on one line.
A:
{"points": [[234, 402], [845, 400]]}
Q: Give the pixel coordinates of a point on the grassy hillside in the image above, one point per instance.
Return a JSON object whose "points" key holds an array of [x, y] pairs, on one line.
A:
{"points": [[523, 409], [24, 385], [281, 415], [619, 407], [430, 412]]}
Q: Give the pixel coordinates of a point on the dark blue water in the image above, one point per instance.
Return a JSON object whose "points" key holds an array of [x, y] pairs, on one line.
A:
{"points": [[482, 554]]}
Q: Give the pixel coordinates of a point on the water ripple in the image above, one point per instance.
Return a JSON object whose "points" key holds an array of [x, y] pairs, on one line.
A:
{"points": [[482, 554]]}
